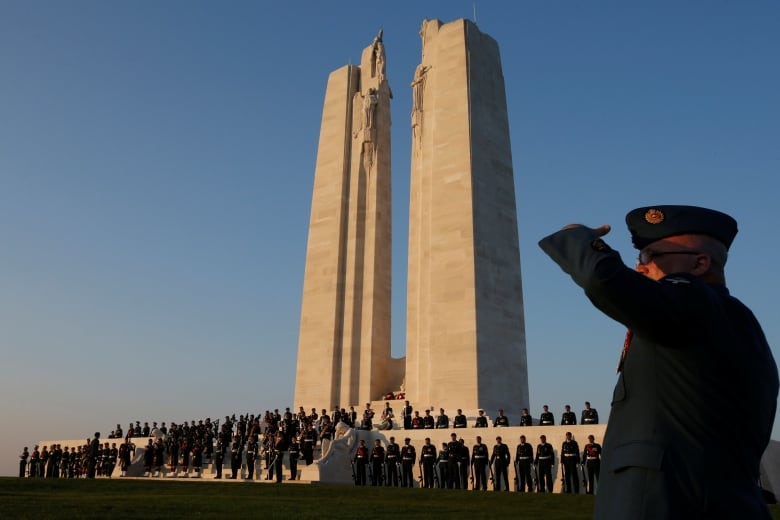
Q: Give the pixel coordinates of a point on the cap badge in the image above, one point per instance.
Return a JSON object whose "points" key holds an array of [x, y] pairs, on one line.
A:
{"points": [[654, 216]]}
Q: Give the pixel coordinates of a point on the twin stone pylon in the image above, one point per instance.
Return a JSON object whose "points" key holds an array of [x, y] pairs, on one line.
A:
{"points": [[465, 341]]}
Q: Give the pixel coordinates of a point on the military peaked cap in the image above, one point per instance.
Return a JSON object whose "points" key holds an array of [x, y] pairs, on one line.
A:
{"points": [[652, 223]]}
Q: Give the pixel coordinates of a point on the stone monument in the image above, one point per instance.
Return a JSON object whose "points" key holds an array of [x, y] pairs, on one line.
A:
{"points": [[465, 344]]}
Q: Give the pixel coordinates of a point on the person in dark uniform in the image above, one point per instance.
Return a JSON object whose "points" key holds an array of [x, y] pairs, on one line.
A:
{"points": [[500, 459], [197, 458], [453, 449], [568, 418], [428, 422], [126, 450], [94, 452], [524, 457], [35, 458], [589, 415], [252, 450], [377, 463], [545, 460], [309, 440], [460, 420], [236, 450], [692, 348], [546, 417], [360, 463], [501, 419], [442, 466], [407, 415], [479, 462], [591, 459], [464, 457], [294, 452], [408, 458], [23, 462], [442, 421], [417, 421], [481, 421], [219, 458], [184, 451], [570, 457], [428, 460], [392, 461], [113, 455], [280, 445], [525, 418], [148, 458]]}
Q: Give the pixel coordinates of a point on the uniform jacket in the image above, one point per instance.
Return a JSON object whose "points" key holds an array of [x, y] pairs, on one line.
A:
{"points": [[695, 352]]}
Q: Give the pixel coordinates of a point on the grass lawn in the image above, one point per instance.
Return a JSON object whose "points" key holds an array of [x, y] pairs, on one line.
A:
{"points": [[151, 499]]}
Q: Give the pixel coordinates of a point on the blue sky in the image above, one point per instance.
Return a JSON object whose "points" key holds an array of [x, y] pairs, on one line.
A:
{"points": [[157, 161]]}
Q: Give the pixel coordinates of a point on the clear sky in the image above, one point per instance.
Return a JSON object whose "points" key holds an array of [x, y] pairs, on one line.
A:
{"points": [[157, 162]]}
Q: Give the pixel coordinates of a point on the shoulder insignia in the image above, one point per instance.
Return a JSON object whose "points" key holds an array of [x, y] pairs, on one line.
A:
{"points": [[675, 280]]}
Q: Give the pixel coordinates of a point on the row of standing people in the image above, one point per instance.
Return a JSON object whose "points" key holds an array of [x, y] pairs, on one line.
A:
{"points": [[455, 466]]}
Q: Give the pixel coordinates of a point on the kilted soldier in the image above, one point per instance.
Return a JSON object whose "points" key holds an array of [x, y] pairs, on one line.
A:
{"points": [[251, 454], [453, 452], [23, 462], [479, 461], [360, 462], [500, 459], [591, 459], [197, 458], [159, 457], [408, 458], [173, 450], [124, 457], [524, 459], [148, 458], [294, 451], [184, 450], [236, 450], [570, 457], [377, 463], [545, 458], [392, 460], [428, 459], [219, 458], [441, 466]]}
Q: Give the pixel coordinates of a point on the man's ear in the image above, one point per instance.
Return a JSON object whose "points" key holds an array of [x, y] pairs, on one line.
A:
{"points": [[702, 265]]}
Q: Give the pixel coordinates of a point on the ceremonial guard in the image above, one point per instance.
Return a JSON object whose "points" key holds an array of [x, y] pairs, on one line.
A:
{"points": [[524, 459], [568, 418], [377, 463], [157, 463], [307, 447], [591, 459], [197, 458], [417, 421], [392, 461], [361, 460], [481, 421], [463, 464], [453, 451], [173, 452], [279, 448], [407, 415], [125, 456], [35, 459], [252, 450], [501, 420], [460, 420], [428, 460], [442, 465], [570, 457], [408, 458], [479, 462], [65, 463], [294, 452], [546, 417], [113, 456], [219, 458], [500, 459], [184, 450], [236, 450], [545, 459], [148, 458], [23, 462], [442, 421], [428, 422], [589, 415], [525, 418]]}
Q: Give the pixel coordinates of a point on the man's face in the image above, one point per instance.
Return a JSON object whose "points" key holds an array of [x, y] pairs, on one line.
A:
{"points": [[660, 265]]}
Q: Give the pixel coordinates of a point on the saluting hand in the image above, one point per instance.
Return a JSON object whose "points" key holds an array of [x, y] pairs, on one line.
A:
{"points": [[599, 231]]}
